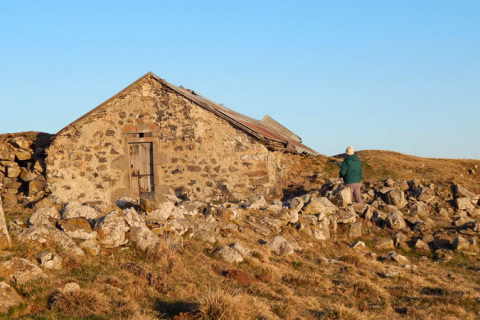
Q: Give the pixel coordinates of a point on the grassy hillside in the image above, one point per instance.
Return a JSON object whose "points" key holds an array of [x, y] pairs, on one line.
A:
{"points": [[183, 279]]}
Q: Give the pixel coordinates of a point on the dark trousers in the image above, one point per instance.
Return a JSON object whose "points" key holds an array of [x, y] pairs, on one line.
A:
{"points": [[355, 190]]}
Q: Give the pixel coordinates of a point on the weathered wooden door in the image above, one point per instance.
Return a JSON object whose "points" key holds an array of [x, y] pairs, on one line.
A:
{"points": [[141, 168]]}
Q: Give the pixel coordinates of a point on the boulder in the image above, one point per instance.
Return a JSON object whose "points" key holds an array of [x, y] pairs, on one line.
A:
{"points": [[5, 240], [420, 208], [461, 192], [48, 260], [75, 210], [244, 251], [257, 204], [50, 236], [228, 254], [342, 196], [398, 258], [91, 246], [297, 204], [464, 204], [356, 230], [26, 175], [346, 215], [20, 270], [397, 198], [77, 228], [139, 233], [280, 246], [21, 143], [8, 297], [395, 220], [319, 205], [461, 244], [48, 216], [111, 229]]}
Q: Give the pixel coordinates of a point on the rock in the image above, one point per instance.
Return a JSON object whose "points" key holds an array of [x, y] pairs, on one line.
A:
{"points": [[464, 204], [12, 170], [26, 175], [161, 213], [244, 251], [51, 237], [77, 228], [297, 204], [356, 230], [47, 260], [69, 287], [290, 216], [9, 201], [400, 240], [228, 254], [48, 216], [75, 210], [36, 186], [342, 196], [257, 204], [384, 245], [346, 215], [397, 198], [5, 240], [8, 297], [20, 270], [420, 208], [91, 246], [395, 220], [461, 244], [21, 143], [461, 192], [280, 246], [275, 207], [421, 245], [398, 258], [424, 194], [111, 230], [139, 233], [23, 155], [379, 218], [319, 205]]}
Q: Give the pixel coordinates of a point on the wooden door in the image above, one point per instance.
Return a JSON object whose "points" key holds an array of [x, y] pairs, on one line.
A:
{"points": [[141, 168]]}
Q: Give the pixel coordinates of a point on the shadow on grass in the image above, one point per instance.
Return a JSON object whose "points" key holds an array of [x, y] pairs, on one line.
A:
{"points": [[170, 309]]}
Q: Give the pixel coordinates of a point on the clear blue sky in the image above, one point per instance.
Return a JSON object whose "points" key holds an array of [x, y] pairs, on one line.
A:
{"points": [[390, 75]]}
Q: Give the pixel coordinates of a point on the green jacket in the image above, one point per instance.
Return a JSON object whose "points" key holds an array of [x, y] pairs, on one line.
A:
{"points": [[351, 170]]}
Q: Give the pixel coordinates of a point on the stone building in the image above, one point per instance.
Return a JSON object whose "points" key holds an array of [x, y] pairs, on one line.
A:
{"points": [[157, 138]]}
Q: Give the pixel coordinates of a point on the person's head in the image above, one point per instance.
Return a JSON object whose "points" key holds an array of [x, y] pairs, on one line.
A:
{"points": [[349, 151]]}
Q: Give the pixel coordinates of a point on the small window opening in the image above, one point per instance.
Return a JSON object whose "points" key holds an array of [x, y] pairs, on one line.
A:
{"points": [[141, 135]]}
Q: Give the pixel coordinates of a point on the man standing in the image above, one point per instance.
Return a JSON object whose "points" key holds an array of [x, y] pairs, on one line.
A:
{"points": [[351, 172]]}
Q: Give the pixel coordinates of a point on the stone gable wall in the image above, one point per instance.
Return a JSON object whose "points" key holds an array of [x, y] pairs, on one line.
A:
{"points": [[197, 155]]}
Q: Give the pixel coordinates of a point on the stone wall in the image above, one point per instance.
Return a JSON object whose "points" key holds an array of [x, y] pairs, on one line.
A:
{"points": [[196, 154]]}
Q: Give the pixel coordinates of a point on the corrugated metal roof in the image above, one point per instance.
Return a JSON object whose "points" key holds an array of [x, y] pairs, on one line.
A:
{"points": [[266, 134]]}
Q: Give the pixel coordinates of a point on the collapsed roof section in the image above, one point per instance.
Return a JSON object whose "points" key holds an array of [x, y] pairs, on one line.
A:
{"points": [[268, 131]]}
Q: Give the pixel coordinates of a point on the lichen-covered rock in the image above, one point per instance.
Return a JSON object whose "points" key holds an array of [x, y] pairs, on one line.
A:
{"points": [[8, 297], [395, 220], [77, 228], [50, 237], [48, 260], [75, 210], [48, 216], [20, 270], [139, 233], [280, 246], [111, 229], [228, 254], [397, 198], [346, 215], [319, 205]]}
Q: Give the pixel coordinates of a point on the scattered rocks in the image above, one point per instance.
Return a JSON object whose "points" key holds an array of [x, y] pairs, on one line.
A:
{"points": [[280, 246]]}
